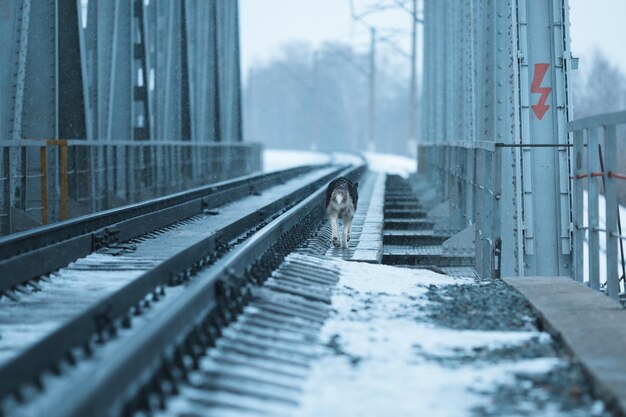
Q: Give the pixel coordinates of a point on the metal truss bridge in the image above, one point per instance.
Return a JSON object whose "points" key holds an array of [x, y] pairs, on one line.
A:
{"points": [[500, 146], [148, 266]]}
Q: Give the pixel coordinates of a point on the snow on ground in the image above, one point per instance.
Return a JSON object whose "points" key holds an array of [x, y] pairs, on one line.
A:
{"points": [[278, 159], [391, 164], [378, 349], [351, 158]]}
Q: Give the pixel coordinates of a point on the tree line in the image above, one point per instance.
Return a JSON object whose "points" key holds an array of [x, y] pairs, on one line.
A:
{"points": [[319, 99]]}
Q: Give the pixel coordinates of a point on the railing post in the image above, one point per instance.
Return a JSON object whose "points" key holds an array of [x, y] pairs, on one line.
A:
{"points": [[469, 184], [23, 177], [610, 195], [578, 220], [593, 164], [106, 177], [43, 158], [64, 214], [480, 213], [490, 211], [128, 178], [5, 227]]}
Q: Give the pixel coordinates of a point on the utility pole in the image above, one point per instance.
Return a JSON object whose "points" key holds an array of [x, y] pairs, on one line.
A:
{"points": [[371, 146], [413, 86], [315, 109], [413, 91], [249, 122]]}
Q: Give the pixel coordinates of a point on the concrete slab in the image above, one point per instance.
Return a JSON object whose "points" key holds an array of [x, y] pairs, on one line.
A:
{"points": [[591, 325], [370, 245]]}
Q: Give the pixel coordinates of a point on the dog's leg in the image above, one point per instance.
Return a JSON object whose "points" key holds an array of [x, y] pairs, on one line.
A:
{"points": [[347, 225], [334, 218]]}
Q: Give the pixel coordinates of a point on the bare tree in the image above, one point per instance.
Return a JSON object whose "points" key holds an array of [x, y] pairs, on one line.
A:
{"points": [[318, 99], [602, 90]]}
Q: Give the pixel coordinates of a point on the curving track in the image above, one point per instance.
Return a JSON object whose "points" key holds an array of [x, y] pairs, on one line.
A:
{"points": [[109, 311]]}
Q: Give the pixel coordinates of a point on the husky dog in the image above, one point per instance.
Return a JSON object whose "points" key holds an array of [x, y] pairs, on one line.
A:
{"points": [[341, 199]]}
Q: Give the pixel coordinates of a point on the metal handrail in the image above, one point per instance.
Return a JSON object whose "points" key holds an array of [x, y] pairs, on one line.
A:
{"points": [[598, 120], [45, 181], [128, 143], [466, 144], [598, 162]]}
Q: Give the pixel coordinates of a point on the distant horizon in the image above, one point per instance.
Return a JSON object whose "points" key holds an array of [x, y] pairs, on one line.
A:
{"points": [[267, 25]]}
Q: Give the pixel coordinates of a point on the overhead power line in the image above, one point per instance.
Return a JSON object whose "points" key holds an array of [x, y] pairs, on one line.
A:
{"points": [[360, 19], [404, 7]]}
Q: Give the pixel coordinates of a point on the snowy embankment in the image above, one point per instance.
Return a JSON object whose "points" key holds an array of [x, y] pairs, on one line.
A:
{"points": [[383, 353], [391, 164], [277, 159]]}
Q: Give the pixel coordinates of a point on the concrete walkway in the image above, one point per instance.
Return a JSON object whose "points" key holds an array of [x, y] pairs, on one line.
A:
{"points": [[590, 324]]}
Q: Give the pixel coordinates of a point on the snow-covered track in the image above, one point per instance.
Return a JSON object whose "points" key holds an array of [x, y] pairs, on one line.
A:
{"points": [[34, 253], [160, 354], [102, 318]]}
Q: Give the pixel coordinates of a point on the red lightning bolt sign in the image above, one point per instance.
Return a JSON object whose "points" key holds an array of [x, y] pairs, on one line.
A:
{"points": [[541, 107]]}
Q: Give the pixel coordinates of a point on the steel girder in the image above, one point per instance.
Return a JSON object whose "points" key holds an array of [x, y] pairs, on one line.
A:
{"points": [[120, 70], [496, 77]]}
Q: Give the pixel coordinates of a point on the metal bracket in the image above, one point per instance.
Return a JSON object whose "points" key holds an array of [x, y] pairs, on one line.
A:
{"points": [[461, 244]]}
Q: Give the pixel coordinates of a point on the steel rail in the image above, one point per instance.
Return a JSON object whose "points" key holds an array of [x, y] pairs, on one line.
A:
{"points": [[31, 254], [98, 319], [111, 386]]}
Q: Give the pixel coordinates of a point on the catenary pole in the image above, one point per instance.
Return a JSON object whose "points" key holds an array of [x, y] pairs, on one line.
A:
{"points": [[371, 146]]}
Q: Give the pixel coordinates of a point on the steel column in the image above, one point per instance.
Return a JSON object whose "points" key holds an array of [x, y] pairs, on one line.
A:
{"points": [[544, 113]]}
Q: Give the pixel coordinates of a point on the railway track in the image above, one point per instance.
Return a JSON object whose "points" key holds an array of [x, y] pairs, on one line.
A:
{"points": [[103, 314], [29, 255]]}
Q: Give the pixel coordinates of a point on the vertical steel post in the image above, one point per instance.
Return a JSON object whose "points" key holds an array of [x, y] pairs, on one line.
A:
{"points": [[43, 152], [544, 113], [506, 174], [612, 210], [578, 220], [593, 164], [64, 213], [5, 212]]}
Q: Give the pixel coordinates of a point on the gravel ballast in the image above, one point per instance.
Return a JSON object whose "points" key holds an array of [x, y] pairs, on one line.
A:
{"points": [[495, 306]]}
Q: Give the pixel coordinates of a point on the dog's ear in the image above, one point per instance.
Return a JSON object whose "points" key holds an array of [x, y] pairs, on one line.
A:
{"points": [[356, 185]]}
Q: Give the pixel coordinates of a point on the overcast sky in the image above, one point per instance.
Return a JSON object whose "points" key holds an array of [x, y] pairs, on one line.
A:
{"points": [[267, 24]]}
